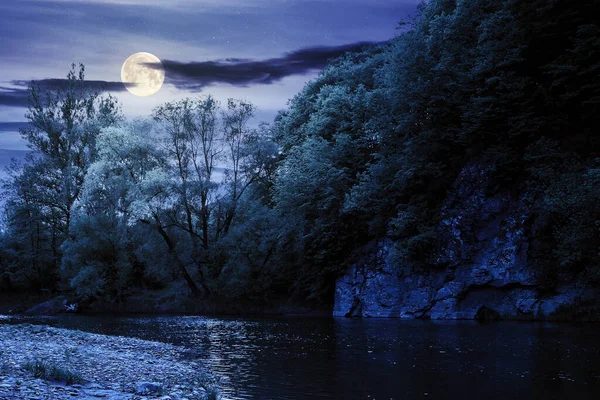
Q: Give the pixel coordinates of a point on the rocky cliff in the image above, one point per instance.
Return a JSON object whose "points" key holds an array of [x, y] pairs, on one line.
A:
{"points": [[482, 270]]}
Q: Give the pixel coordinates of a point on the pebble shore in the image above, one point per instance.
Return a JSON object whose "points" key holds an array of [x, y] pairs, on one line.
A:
{"points": [[112, 367]]}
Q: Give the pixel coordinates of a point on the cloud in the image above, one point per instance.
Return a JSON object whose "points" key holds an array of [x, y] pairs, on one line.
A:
{"points": [[10, 138], [194, 76], [12, 126], [18, 96], [13, 97]]}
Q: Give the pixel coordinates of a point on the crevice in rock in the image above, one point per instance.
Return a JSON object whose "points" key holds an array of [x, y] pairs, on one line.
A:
{"points": [[487, 314], [355, 309]]}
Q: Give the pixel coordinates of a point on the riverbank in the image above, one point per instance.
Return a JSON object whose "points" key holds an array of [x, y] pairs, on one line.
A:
{"points": [[98, 366], [169, 301]]}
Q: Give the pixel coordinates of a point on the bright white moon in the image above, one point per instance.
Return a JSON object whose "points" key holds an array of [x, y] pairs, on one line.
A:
{"points": [[140, 78]]}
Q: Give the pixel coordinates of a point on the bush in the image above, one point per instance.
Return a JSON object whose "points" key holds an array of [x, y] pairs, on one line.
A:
{"points": [[210, 384], [49, 371], [87, 283]]}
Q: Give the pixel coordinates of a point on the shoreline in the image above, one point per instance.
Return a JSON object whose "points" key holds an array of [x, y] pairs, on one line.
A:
{"points": [[36, 306], [151, 303], [109, 367]]}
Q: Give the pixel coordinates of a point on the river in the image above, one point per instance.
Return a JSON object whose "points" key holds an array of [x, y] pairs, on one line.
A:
{"points": [[326, 358]]}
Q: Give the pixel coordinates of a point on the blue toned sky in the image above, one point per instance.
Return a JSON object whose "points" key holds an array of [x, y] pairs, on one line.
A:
{"points": [[263, 51]]}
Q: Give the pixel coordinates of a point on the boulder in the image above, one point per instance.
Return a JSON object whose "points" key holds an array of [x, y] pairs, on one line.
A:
{"points": [[51, 307], [145, 388], [56, 305]]}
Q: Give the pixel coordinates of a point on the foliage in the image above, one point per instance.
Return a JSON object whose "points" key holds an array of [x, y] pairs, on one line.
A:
{"points": [[101, 257], [488, 81], [49, 371], [42, 193], [156, 181]]}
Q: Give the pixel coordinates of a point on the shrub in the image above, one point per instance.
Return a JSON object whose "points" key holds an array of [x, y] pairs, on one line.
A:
{"points": [[49, 371]]}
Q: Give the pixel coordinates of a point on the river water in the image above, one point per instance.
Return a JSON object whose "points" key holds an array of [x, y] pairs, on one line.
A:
{"points": [[326, 358]]}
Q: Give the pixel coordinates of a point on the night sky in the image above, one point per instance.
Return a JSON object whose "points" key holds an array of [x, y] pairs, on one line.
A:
{"points": [[263, 51]]}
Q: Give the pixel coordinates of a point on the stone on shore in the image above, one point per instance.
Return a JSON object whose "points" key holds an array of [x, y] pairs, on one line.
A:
{"points": [[147, 388]]}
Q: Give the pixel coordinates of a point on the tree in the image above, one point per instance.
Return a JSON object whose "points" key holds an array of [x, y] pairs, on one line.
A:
{"points": [[27, 253], [106, 228], [238, 177], [63, 126], [192, 145], [195, 140]]}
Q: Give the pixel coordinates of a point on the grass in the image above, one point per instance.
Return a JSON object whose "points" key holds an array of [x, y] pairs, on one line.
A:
{"points": [[4, 366], [52, 372], [210, 386], [212, 393]]}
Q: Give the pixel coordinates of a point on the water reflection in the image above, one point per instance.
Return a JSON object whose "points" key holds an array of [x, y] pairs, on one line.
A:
{"points": [[303, 358]]}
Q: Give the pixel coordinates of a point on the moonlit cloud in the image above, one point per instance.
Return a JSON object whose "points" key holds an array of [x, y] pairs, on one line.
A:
{"points": [[18, 96], [194, 76]]}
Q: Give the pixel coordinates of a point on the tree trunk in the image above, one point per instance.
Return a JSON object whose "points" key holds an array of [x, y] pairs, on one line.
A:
{"points": [[190, 282]]}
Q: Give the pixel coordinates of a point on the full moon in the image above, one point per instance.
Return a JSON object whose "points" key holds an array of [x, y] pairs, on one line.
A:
{"points": [[140, 78]]}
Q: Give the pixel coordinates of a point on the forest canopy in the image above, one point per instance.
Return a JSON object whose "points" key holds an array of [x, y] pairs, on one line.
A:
{"points": [[194, 198]]}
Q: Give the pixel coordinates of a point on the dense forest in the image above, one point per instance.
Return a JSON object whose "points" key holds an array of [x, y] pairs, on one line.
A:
{"points": [[194, 201]]}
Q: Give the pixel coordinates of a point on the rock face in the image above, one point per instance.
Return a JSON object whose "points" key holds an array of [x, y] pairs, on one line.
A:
{"points": [[482, 270]]}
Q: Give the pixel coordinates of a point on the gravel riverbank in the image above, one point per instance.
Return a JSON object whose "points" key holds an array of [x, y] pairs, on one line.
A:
{"points": [[105, 367]]}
